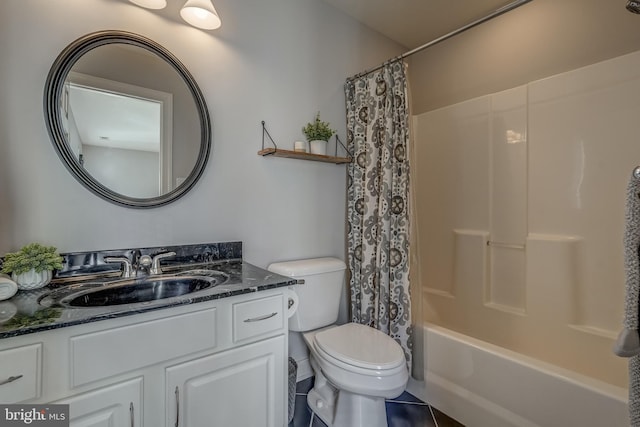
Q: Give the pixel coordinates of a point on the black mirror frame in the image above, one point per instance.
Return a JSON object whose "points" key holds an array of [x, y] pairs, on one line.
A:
{"points": [[53, 94]]}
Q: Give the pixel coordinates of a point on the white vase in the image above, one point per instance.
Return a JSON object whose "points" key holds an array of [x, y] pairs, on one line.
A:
{"points": [[318, 146], [31, 279]]}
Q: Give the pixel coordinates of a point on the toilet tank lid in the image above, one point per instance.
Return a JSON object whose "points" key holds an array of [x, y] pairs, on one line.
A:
{"points": [[307, 267]]}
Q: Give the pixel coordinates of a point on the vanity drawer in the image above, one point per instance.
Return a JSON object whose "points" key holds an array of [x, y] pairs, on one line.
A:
{"points": [[257, 317], [20, 373]]}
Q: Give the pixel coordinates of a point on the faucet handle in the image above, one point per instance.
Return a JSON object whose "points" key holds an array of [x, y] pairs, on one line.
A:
{"points": [[155, 266], [126, 264], [145, 261]]}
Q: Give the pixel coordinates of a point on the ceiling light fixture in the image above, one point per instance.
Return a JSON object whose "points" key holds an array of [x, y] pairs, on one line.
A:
{"points": [[151, 4], [200, 14]]}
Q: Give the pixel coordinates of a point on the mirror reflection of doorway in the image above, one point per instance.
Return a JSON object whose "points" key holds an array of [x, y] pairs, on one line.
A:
{"points": [[121, 134]]}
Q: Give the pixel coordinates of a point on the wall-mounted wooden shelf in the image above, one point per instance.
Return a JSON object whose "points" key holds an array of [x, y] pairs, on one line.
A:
{"points": [[278, 152], [289, 154]]}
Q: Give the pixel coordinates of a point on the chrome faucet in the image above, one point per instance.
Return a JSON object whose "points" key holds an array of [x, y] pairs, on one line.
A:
{"points": [[127, 269], [153, 264]]}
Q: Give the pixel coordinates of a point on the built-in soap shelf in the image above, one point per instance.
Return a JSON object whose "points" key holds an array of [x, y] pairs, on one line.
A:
{"points": [[290, 154]]}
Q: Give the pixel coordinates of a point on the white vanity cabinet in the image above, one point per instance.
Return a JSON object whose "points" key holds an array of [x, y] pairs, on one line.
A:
{"points": [[221, 362]]}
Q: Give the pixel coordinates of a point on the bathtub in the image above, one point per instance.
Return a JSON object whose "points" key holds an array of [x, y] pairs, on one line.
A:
{"points": [[483, 385]]}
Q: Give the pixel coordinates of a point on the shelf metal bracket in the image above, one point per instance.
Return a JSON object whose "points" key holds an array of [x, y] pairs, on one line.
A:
{"points": [[266, 132], [338, 141]]}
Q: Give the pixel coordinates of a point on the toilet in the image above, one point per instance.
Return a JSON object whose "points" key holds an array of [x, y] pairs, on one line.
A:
{"points": [[356, 367]]}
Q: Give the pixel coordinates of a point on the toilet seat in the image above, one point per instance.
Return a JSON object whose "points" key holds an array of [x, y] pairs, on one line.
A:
{"points": [[360, 348], [362, 372]]}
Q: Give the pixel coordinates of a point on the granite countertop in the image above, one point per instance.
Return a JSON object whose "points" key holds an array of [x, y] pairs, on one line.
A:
{"points": [[24, 313]]}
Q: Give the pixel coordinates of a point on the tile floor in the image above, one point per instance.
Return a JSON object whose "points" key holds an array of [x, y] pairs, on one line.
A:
{"points": [[404, 411]]}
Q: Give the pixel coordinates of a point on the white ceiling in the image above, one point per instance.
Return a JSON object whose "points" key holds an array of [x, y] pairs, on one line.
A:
{"points": [[412, 23]]}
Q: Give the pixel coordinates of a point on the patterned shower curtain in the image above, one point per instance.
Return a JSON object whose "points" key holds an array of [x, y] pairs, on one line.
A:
{"points": [[377, 207]]}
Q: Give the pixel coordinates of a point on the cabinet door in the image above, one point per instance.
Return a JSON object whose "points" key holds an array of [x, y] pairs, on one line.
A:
{"points": [[20, 373], [245, 386], [118, 405]]}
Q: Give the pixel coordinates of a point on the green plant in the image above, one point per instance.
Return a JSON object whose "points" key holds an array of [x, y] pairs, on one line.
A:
{"points": [[318, 130], [33, 255]]}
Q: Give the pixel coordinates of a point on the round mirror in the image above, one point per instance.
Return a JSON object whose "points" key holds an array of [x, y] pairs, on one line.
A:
{"points": [[127, 119]]}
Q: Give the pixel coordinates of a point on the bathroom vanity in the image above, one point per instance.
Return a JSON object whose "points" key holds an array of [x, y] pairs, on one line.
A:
{"points": [[200, 359]]}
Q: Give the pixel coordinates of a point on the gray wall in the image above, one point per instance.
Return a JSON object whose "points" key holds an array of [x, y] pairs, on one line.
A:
{"points": [[539, 39]]}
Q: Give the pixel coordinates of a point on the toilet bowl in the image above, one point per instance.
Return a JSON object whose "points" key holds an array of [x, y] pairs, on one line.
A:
{"points": [[355, 366]]}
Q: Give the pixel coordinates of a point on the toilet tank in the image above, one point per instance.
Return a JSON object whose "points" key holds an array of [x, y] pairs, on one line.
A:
{"points": [[319, 296]]}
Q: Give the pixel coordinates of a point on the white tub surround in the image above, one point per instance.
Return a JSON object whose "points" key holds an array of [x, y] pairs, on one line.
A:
{"points": [[520, 197]]}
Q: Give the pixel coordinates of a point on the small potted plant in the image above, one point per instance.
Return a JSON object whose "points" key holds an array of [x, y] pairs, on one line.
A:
{"points": [[318, 134], [31, 267]]}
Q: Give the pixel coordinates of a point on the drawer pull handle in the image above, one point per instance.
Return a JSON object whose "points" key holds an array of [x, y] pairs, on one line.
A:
{"points": [[177, 406], [11, 379], [265, 317], [131, 414]]}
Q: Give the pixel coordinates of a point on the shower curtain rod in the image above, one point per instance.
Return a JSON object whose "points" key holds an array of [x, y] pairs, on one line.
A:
{"points": [[504, 9]]}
